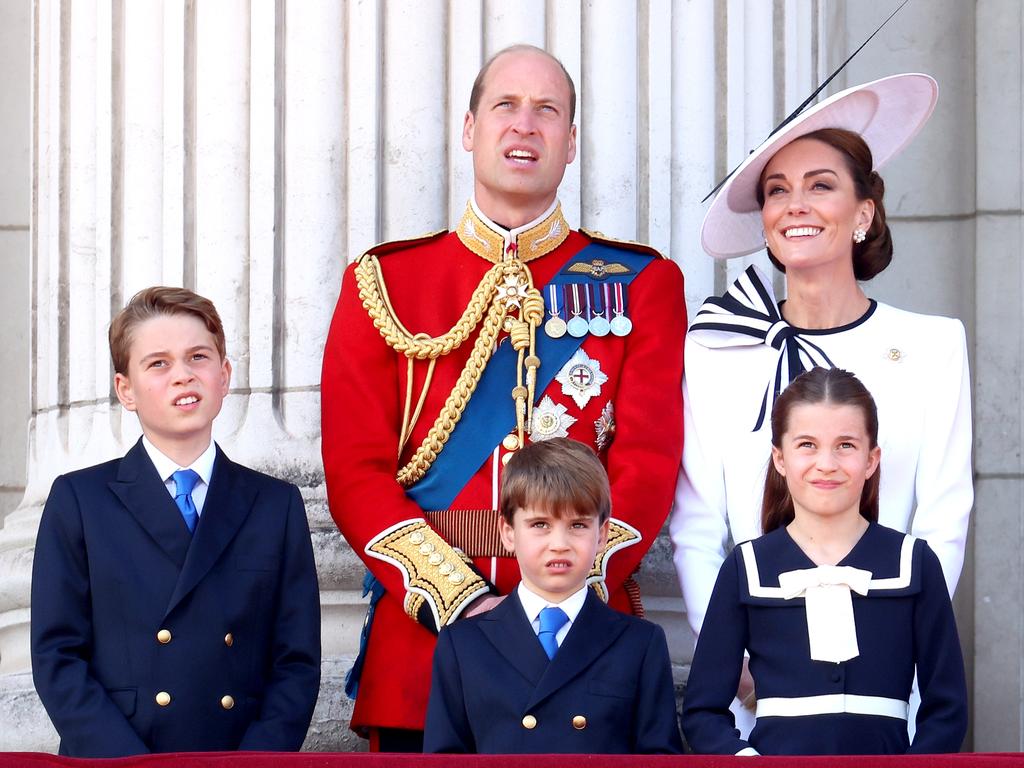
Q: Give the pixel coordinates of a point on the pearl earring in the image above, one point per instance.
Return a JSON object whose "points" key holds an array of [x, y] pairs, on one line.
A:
{"points": [[859, 235]]}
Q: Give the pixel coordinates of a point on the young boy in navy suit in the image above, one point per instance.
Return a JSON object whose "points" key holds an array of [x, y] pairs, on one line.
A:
{"points": [[175, 604], [551, 668]]}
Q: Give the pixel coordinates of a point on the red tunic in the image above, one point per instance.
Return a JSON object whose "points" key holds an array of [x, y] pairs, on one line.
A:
{"points": [[429, 283]]}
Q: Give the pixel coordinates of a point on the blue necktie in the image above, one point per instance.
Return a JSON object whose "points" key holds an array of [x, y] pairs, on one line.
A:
{"points": [[551, 620], [184, 481]]}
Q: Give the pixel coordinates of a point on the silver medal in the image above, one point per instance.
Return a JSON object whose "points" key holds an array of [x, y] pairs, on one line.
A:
{"points": [[577, 327], [621, 325], [598, 310]]}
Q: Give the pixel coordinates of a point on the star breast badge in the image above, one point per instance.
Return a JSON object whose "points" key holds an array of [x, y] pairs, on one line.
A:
{"points": [[550, 419], [581, 378]]}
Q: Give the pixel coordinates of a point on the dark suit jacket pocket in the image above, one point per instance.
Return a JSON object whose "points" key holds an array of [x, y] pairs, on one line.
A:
{"points": [[258, 563], [124, 698], [618, 689]]}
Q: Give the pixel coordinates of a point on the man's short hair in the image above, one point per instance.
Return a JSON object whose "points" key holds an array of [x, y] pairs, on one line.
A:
{"points": [[559, 476], [478, 84], [157, 301]]}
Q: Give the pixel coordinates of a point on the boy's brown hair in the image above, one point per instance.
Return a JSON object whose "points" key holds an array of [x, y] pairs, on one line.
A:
{"points": [[154, 302], [560, 476]]}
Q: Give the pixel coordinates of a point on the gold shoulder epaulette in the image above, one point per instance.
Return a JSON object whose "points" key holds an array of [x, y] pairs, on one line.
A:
{"points": [[391, 246], [629, 245]]}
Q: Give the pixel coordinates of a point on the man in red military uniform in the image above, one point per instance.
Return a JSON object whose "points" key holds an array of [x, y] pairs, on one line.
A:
{"points": [[447, 352]]}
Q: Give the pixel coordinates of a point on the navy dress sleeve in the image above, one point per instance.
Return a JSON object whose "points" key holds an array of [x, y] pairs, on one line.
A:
{"points": [[708, 724], [942, 717]]}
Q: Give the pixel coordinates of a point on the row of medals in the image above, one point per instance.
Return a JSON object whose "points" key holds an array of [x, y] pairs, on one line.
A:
{"points": [[592, 317]]}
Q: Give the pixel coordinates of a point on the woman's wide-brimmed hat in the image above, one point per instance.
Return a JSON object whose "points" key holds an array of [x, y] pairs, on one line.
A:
{"points": [[887, 113]]}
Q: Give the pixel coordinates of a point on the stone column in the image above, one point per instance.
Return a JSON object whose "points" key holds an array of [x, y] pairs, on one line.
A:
{"points": [[15, 210], [997, 240], [16, 21]]}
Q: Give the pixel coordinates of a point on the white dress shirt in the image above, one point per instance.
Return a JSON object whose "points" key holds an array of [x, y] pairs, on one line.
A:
{"points": [[533, 604], [166, 467]]}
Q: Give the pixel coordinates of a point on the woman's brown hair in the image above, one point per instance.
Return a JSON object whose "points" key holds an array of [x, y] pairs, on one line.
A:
{"points": [[875, 253], [831, 386]]}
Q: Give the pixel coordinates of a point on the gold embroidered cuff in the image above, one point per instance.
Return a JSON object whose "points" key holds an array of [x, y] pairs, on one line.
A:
{"points": [[439, 580], [620, 536]]}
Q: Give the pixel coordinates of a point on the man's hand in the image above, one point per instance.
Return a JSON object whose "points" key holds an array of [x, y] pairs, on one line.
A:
{"points": [[486, 603]]}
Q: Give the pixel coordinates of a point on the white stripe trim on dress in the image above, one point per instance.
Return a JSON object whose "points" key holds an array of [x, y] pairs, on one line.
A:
{"points": [[902, 581], [832, 703]]}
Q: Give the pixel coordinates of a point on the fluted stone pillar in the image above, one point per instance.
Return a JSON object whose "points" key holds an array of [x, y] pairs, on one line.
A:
{"points": [[998, 242]]}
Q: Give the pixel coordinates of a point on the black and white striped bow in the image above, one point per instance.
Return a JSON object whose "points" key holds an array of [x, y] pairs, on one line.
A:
{"points": [[748, 315]]}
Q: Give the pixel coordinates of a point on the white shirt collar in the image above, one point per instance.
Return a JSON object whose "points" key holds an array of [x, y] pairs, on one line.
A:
{"points": [[165, 467], [534, 603], [512, 234]]}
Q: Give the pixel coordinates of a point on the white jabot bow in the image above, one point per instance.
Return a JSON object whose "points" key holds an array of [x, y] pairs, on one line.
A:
{"points": [[748, 315], [826, 592]]}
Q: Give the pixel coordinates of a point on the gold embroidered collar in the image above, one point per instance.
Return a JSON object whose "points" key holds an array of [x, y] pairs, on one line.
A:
{"points": [[489, 241]]}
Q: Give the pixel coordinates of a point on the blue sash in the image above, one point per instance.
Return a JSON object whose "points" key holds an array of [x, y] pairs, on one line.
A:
{"points": [[490, 413]]}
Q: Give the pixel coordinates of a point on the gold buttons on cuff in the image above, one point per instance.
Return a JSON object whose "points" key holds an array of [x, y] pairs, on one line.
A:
{"points": [[579, 722], [529, 722], [229, 639], [416, 537], [163, 698], [227, 702], [445, 568], [436, 558], [456, 577], [163, 636], [510, 442]]}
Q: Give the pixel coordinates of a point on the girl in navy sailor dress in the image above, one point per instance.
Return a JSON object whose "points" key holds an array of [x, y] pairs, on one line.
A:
{"points": [[834, 609]]}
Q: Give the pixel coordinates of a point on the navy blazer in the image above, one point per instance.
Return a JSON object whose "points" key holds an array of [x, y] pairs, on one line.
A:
{"points": [[148, 639], [608, 689]]}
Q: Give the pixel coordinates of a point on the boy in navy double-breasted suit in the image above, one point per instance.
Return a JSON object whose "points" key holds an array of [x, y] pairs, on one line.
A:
{"points": [[175, 604], [551, 668]]}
